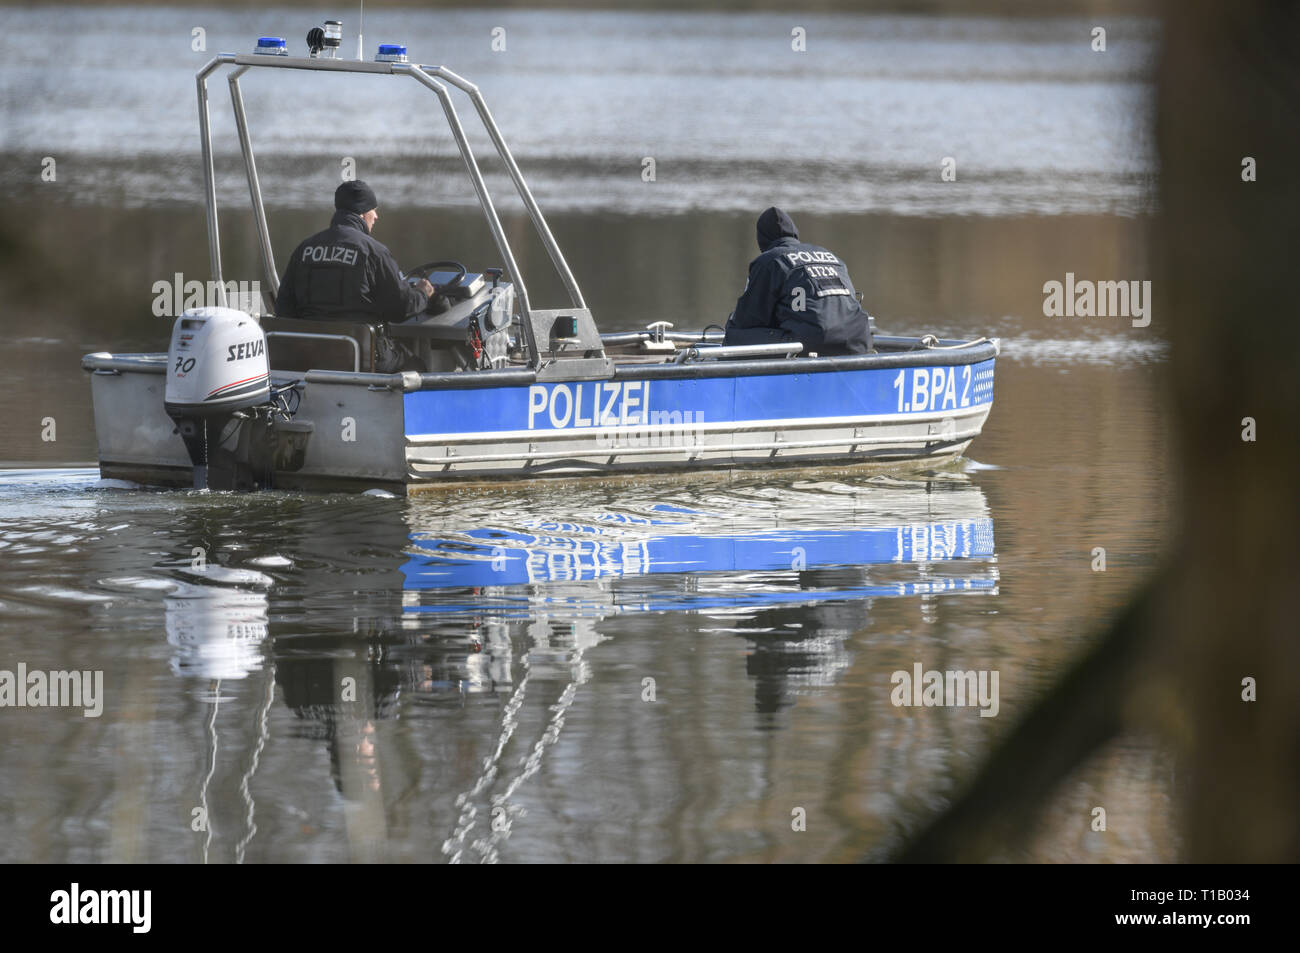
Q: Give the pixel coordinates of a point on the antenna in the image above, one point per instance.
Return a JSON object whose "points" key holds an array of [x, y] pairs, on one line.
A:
{"points": [[361, 26]]}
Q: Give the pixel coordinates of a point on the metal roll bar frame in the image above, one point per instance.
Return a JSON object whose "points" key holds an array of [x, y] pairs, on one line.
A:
{"points": [[427, 76]]}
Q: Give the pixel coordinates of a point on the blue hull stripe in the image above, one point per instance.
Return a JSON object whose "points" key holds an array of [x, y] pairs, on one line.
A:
{"points": [[590, 405]]}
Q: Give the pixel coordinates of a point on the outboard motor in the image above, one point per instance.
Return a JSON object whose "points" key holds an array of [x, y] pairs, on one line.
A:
{"points": [[219, 394]]}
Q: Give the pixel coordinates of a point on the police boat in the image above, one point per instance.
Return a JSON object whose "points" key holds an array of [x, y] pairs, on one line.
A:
{"points": [[246, 400]]}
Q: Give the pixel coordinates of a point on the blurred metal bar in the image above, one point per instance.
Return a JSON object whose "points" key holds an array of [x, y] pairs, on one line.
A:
{"points": [[254, 187]]}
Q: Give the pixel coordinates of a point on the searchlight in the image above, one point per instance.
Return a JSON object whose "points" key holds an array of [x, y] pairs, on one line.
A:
{"points": [[325, 43]]}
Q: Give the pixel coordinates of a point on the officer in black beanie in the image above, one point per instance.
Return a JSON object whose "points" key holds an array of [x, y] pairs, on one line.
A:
{"points": [[343, 274], [798, 292]]}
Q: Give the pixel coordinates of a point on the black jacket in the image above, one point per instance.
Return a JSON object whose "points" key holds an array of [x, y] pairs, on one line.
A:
{"points": [[342, 273], [790, 273]]}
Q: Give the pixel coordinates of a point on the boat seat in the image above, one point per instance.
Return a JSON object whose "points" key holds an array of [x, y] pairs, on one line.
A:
{"points": [[295, 344]]}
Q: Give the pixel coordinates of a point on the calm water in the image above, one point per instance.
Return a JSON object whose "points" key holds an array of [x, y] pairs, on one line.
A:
{"points": [[495, 645]]}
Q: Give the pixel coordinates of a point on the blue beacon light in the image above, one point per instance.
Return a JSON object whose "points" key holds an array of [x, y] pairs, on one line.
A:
{"points": [[271, 46], [391, 53]]}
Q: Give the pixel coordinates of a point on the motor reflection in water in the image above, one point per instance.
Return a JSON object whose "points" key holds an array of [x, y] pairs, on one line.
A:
{"points": [[430, 607], [217, 627]]}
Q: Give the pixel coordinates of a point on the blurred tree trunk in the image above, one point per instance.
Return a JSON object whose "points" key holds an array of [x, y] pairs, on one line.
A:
{"points": [[1224, 606], [1230, 89]]}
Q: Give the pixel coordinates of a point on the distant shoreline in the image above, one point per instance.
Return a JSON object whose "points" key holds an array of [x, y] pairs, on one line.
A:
{"points": [[1009, 8]]}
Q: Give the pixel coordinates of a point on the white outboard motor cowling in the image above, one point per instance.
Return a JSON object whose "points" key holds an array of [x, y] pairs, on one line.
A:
{"points": [[217, 370], [216, 363]]}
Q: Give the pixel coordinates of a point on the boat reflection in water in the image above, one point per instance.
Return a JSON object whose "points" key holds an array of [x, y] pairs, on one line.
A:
{"points": [[792, 568], [476, 619]]}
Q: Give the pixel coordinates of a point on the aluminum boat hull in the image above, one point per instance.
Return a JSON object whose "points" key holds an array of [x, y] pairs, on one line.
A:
{"points": [[404, 432]]}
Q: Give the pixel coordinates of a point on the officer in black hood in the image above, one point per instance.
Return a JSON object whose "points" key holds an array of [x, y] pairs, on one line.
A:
{"points": [[798, 292], [343, 274]]}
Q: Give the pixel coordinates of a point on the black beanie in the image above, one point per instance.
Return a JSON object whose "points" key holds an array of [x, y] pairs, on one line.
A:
{"points": [[774, 224], [355, 196]]}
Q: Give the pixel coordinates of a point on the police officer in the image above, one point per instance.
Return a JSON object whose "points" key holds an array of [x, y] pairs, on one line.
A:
{"points": [[798, 292], [342, 273]]}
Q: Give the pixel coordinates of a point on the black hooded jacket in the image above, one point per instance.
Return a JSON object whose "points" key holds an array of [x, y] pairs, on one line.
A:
{"points": [[342, 273], [800, 292]]}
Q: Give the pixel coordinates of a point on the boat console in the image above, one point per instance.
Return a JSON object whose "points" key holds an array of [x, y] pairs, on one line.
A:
{"points": [[466, 325]]}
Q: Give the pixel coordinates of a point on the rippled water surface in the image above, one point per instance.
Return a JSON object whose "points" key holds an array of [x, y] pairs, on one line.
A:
{"points": [[635, 670], [623, 671]]}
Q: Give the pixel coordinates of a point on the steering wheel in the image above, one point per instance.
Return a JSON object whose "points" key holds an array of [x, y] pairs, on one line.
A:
{"points": [[440, 300], [425, 270]]}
